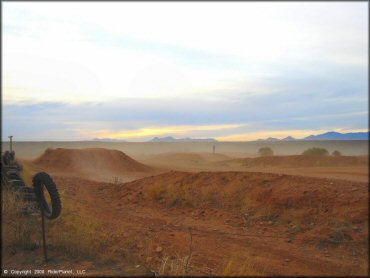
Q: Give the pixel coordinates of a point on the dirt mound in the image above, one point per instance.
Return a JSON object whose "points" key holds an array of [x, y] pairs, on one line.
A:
{"points": [[90, 161], [300, 161], [307, 207]]}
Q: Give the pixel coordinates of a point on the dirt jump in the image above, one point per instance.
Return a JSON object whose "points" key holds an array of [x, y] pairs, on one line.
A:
{"points": [[94, 163]]}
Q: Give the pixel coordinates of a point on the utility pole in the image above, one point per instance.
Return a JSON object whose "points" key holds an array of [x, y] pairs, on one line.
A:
{"points": [[11, 143]]}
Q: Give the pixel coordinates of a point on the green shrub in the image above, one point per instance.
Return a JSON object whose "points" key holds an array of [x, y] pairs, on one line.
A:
{"points": [[316, 151], [265, 151], [336, 153]]}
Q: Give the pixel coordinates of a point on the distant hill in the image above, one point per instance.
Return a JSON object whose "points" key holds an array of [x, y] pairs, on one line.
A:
{"points": [[108, 140], [269, 139], [171, 139], [289, 138], [339, 136], [331, 135], [272, 139]]}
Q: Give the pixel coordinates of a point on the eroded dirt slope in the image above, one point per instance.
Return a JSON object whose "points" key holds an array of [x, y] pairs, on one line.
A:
{"points": [[279, 224]]}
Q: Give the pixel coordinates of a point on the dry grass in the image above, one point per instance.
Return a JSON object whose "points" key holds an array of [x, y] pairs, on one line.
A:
{"points": [[173, 266], [75, 232], [19, 232], [175, 196], [156, 192], [186, 195], [27, 175], [116, 180], [183, 195], [237, 266]]}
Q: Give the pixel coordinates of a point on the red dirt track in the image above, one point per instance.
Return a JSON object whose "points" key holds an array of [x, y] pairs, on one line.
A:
{"points": [[296, 225], [274, 223]]}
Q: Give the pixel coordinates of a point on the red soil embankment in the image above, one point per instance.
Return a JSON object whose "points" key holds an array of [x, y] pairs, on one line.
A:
{"points": [[323, 222], [264, 197], [90, 161]]}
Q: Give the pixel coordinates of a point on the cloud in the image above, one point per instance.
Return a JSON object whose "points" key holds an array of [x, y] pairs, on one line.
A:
{"points": [[146, 68], [248, 30], [107, 49]]}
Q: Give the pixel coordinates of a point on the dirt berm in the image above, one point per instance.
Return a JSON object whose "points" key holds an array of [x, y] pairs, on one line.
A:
{"points": [[90, 161], [281, 199], [300, 161]]}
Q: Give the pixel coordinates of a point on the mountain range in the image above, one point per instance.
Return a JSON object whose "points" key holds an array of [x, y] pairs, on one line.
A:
{"points": [[187, 139], [331, 135]]}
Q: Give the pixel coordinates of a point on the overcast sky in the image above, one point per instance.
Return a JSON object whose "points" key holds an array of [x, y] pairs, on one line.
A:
{"points": [[232, 71]]}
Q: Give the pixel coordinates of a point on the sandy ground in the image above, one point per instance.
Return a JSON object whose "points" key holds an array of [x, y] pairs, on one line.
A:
{"points": [[295, 219]]}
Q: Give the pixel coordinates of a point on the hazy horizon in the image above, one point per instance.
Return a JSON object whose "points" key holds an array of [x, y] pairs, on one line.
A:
{"points": [[178, 138], [237, 71], [31, 150]]}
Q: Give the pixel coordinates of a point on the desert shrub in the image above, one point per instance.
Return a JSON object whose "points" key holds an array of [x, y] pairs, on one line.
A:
{"points": [[116, 180], [175, 196], [336, 153], [182, 197], [316, 151], [265, 151], [156, 192], [176, 266]]}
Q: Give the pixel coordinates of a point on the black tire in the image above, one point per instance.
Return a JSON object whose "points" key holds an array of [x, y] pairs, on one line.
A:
{"points": [[39, 181]]}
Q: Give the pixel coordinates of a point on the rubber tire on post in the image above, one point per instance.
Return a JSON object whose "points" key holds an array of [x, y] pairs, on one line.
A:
{"points": [[39, 181]]}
